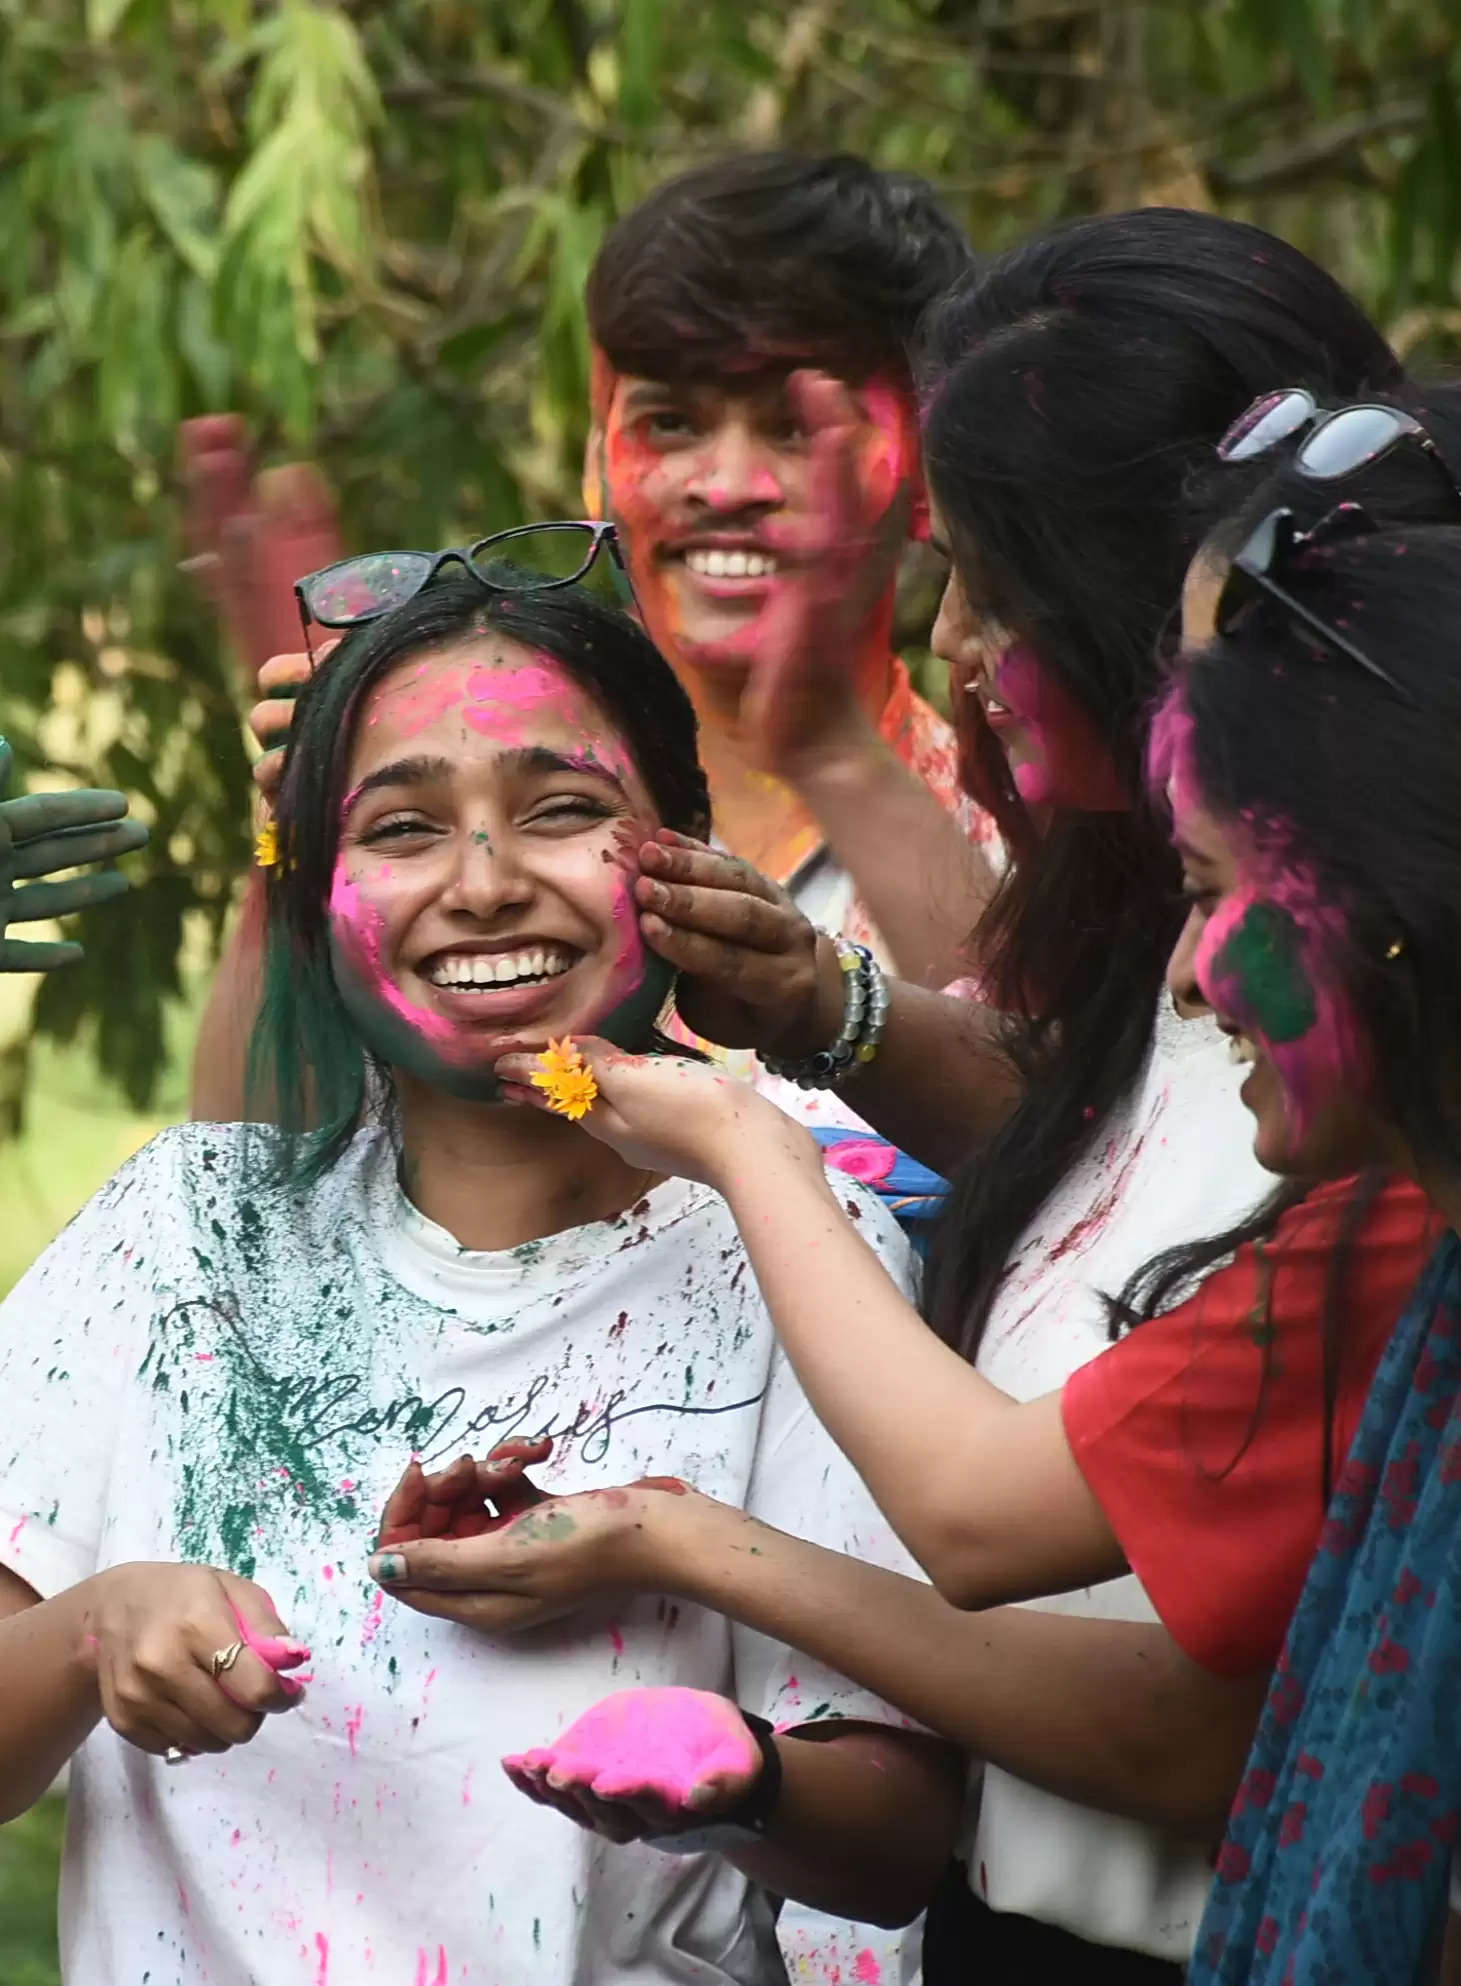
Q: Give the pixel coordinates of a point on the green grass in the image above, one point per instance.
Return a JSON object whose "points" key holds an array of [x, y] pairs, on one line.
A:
{"points": [[30, 1853], [79, 1131]]}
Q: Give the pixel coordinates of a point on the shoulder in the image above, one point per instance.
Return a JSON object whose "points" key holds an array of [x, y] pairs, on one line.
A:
{"points": [[223, 1180]]}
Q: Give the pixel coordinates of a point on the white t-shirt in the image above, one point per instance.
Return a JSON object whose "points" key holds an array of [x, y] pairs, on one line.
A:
{"points": [[1174, 1164], [202, 1368]]}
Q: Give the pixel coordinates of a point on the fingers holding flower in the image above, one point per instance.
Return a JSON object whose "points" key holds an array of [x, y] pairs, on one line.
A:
{"points": [[663, 1113]]}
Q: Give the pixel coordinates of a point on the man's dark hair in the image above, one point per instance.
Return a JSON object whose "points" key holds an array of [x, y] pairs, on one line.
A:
{"points": [[767, 259]]}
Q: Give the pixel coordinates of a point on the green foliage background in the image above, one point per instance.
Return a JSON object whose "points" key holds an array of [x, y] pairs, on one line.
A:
{"points": [[367, 226]]}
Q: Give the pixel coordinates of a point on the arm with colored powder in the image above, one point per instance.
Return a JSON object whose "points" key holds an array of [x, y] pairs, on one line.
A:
{"points": [[1109, 1713], [134, 1645], [862, 1822], [983, 1490]]}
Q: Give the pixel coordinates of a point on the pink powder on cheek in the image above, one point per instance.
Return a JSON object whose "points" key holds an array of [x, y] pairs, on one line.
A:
{"points": [[1070, 764], [360, 928]]}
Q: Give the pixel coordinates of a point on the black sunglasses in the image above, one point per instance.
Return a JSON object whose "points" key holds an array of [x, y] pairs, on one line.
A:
{"points": [[1276, 542], [1338, 444], [530, 558]]}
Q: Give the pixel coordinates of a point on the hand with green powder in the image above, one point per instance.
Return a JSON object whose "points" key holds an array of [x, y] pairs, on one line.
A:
{"points": [[480, 1544], [41, 833]]}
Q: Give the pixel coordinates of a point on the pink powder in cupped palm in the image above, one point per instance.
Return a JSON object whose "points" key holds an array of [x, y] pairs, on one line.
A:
{"points": [[670, 1743]]}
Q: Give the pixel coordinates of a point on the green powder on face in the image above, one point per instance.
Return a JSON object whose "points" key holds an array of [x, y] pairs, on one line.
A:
{"points": [[1264, 956]]}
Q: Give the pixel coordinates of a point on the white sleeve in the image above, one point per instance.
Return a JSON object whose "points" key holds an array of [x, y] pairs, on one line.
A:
{"points": [[71, 1333], [803, 1483]]}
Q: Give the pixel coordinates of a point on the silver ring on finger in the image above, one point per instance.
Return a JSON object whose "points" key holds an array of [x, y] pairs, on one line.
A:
{"points": [[175, 1755], [223, 1659]]}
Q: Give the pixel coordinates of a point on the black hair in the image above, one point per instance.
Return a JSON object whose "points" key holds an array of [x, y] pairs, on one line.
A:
{"points": [[1072, 392], [307, 1057], [769, 259]]}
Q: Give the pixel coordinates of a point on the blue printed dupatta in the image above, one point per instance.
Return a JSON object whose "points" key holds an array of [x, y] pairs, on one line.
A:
{"points": [[1334, 1870]]}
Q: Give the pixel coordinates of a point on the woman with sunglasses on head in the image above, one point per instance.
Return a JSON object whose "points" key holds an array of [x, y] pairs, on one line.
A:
{"points": [[214, 1377], [1308, 751]]}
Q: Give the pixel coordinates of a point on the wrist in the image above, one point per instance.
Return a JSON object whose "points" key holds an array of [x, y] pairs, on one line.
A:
{"points": [[819, 1017], [843, 752], [764, 1143]]}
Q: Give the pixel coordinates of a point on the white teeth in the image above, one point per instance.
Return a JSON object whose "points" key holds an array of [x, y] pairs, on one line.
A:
{"points": [[498, 968], [731, 565], [1241, 1049]]}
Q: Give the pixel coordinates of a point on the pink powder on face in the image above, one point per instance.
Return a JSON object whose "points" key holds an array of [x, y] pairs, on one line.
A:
{"points": [[359, 926], [867, 1159], [1069, 765], [669, 1744]]}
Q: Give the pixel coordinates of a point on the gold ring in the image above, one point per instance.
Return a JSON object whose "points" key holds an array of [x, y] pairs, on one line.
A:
{"points": [[224, 1659]]}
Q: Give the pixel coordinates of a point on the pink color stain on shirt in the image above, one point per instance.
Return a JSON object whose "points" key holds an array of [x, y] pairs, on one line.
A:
{"points": [[867, 1159], [371, 1627], [425, 1977], [322, 1971], [353, 1721], [866, 1970], [15, 1533]]}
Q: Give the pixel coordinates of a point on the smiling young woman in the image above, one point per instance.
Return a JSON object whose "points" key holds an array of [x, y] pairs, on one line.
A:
{"points": [[232, 1352], [1308, 750]]}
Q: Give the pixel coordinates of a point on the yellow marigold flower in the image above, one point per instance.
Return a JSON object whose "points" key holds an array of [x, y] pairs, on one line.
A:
{"points": [[266, 845], [566, 1079]]}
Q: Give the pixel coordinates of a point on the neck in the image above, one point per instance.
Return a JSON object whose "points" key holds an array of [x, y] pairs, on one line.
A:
{"points": [[757, 813], [496, 1175]]}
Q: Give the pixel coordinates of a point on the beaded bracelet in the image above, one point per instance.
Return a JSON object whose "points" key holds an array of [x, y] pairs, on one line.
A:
{"points": [[864, 1016]]}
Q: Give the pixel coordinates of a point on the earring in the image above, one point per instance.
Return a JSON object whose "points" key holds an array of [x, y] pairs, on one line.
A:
{"points": [[1395, 948]]}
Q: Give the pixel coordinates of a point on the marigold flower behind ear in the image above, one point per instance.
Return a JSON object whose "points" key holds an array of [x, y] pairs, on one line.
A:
{"points": [[565, 1079]]}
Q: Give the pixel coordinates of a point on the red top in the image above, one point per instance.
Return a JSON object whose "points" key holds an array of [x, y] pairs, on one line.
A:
{"points": [[1206, 1456]]}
